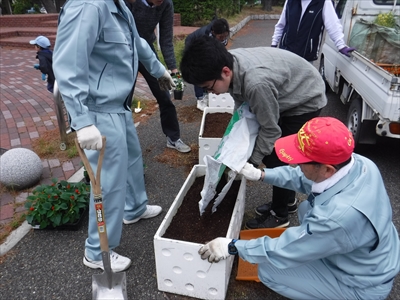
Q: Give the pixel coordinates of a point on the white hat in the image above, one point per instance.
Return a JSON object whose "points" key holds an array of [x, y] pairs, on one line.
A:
{"points": [[41, 41]]}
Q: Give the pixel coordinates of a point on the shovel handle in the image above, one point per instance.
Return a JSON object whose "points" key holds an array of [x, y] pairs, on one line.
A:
{"points": [[96, 186]]}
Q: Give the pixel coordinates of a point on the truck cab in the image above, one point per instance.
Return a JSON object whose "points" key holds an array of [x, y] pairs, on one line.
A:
{"points": [[368, 81]]}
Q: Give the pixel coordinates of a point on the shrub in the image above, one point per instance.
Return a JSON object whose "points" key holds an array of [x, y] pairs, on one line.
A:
{"points": [[56, 204]]}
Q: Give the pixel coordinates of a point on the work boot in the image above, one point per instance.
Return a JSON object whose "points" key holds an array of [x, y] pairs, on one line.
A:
{"points": [[178, 145], [263, 209], [119, 263], [268, 220], [151, 212]]}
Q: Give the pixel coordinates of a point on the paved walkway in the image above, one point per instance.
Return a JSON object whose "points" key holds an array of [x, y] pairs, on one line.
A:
{"points": [[28, 111]]}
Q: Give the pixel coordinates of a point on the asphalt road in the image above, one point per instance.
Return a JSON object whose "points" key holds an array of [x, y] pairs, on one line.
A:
{"points": [[47, 264]]}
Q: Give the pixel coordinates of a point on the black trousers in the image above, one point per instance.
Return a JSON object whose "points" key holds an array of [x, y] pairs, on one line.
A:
{"points": [[281, 197], [169, 118]]}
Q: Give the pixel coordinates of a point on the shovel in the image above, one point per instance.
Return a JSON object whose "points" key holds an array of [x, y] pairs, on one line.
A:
{"points": [[138, 109], [108, 285]]}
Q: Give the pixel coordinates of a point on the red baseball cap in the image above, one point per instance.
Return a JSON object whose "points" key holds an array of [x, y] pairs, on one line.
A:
{"points": [[324, 140]]}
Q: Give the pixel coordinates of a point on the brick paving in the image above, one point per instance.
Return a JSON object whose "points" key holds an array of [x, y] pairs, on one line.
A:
{"points": [[28, 111]]}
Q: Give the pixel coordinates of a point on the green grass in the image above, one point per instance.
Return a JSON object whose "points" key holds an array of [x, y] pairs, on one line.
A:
{"points": [[179, 45]]}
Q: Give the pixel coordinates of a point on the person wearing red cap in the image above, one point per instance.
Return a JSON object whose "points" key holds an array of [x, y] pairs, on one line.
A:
{"points": [[346, 246]]}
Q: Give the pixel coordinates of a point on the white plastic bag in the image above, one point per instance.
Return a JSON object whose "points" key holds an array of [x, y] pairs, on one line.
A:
{"points": [[233, 152]]}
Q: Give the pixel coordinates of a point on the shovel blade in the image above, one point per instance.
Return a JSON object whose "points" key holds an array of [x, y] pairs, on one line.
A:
{"points": [[103, 290]]}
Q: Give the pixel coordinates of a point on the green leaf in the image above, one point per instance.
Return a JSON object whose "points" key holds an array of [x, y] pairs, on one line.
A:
{"points": [[29, 218], [80, 205], [64, 206], [47, 206], [44, 224], [65, 219], [57, 220]]}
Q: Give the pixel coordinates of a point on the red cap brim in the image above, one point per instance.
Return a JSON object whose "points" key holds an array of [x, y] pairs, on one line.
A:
{"points": [[288, 151]]}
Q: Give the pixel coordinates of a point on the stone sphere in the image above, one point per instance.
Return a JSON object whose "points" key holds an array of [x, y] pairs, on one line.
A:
{"points": [[20, 168]]}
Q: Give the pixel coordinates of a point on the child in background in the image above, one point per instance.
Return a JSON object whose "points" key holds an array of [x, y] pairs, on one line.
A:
{"points": [[45, 56]]}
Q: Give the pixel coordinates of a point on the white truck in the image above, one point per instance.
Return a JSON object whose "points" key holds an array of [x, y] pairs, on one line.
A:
{"points": [[368, 81]]}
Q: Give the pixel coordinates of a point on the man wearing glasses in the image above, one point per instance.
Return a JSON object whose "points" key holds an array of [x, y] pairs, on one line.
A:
{"points": [[282, 89]]}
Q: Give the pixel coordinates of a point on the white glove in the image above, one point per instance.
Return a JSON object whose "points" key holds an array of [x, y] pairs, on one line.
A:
{"points": [[215, 250], [166, 82], [250, 172], [89, 138]]}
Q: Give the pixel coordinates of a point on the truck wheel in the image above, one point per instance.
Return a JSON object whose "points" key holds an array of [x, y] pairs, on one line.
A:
{"points": [[354, 119], [322, 72]]}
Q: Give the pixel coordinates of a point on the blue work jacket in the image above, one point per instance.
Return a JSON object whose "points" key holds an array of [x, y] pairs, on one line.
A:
{"points": [[96, 58], [349, 228]]}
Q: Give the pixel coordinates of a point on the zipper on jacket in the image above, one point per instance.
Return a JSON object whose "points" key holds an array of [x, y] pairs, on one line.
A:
{"points": [[309, 32], [101, 75]]}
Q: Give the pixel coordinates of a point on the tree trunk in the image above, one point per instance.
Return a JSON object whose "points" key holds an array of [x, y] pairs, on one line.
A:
{"points": [[6, 7], [267, 5], [59, 4], [49, 6]]}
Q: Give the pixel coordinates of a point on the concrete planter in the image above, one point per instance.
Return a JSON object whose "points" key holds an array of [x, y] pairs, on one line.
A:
{"points": [[180, 269]]}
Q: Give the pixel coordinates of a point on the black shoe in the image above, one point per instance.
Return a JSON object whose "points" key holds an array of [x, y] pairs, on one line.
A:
{"points": [[263, 209], [268, 220]]}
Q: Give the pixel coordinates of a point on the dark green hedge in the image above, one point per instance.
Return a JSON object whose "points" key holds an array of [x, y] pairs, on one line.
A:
{"points": [[194, 11]]}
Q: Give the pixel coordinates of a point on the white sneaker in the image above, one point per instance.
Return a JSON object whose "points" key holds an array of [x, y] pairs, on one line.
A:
{"points": [[178, 145], [202, 104], [151, 212], [119, 263]]}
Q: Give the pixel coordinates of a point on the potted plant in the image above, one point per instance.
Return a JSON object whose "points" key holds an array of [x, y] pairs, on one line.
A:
{"points": [[58, 204], [179, 86]]}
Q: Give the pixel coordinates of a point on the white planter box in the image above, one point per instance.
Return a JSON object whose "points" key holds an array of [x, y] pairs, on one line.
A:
{"points": [[180, 269], [207, 145], [221, 100]]}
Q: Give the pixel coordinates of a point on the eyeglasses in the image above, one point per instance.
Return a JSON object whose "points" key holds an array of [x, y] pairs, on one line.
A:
{"points": [[211, 88]]}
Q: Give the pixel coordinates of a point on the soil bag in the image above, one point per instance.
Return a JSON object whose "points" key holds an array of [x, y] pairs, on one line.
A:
{"points": [[378, 43], [234, 150]]}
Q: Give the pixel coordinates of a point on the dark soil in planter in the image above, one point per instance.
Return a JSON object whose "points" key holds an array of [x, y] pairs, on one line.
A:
{"points": [[188, 225], [215, 124]]}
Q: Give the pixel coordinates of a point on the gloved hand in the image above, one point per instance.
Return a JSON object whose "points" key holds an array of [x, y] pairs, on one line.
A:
{"points": [[166, 83], [89, 138], [36, 66], [346, 51], [43, 76], [250, 172], [215, 250]]}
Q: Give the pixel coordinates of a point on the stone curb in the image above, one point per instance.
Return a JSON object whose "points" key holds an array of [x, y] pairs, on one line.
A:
{"points": [[17, 234], [235, 29]]}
